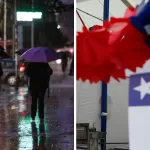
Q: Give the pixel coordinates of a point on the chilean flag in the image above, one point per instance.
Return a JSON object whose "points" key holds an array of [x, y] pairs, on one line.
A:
{"points": [[139, 112]]}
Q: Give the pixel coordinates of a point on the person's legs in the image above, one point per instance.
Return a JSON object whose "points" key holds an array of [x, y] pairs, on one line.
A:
{"points": [[48, 90], [41, 103], [64, 65], [34, 95], [71, 68]]}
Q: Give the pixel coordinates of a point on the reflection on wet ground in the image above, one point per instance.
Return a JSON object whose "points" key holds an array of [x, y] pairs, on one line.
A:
{"points": [[18, 133]]}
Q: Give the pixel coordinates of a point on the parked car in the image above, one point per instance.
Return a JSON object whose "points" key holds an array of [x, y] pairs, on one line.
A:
{"points": [[9, 72]]}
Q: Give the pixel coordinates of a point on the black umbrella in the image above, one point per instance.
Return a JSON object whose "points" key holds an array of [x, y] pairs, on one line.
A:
{"points": [[3, 54], [21, 51]]}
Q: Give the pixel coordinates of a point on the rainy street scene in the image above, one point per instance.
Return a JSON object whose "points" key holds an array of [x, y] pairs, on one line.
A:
{"points": [[37, 75]]}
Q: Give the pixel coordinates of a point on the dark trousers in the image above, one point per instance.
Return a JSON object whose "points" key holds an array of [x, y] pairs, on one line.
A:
{"points": [[37, 95], [64, 65], [71, 73]]}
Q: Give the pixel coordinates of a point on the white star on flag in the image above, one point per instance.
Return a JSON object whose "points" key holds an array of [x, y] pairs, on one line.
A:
{"points": [[143, 88]]}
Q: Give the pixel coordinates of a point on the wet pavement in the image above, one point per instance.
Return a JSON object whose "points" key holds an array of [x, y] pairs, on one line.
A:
{"points": [[18, 133]]}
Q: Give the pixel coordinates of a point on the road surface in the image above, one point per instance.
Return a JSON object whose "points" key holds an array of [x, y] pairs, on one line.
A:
{"points": [[18, 133]]}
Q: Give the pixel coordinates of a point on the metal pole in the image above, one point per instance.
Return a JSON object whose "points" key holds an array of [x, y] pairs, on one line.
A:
{"points": [[16, 41], [32, 27], [20, 36], [13, 35], [5, 25], [127, 3], [104, 88]]}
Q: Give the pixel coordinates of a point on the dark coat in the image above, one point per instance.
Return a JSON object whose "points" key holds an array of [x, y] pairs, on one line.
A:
{"points": [[39, 74]]}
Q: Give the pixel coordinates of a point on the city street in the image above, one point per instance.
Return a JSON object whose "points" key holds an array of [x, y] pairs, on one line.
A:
{"points": [[18, 133]]}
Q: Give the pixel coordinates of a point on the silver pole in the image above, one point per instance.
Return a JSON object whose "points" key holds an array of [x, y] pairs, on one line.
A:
{"points": [[20, 36], [13, 35], [5, 24], [15, 30], [16, 40], [32, 27]]}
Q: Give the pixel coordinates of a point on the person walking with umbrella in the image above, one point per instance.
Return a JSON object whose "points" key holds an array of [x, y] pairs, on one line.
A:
{"points": [[39, 76], [39, 72], [64, 63]]}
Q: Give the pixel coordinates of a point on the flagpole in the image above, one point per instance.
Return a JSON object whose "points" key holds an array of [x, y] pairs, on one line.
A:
{"points": [[104, 88]]}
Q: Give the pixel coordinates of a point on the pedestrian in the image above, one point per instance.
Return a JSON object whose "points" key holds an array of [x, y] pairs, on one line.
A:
{"points": [[1, 74], [39, 76], [71, 72], [64, 63]]}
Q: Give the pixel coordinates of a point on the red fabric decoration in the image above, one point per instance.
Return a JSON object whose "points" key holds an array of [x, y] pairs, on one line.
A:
{"points": [[106, 51], [89, 45], [131, 11]]}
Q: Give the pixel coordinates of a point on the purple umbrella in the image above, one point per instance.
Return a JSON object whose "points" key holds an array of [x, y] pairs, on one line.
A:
{"points": [[40, 54]]}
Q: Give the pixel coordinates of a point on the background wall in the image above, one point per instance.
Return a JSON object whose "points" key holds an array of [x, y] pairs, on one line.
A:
{"points": [[88, 108]]}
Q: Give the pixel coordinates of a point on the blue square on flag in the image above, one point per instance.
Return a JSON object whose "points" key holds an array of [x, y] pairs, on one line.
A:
{"points": [[139, 90]]}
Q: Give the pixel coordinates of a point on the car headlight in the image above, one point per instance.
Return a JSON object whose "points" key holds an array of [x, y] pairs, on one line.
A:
{"points": [[58, 61]]}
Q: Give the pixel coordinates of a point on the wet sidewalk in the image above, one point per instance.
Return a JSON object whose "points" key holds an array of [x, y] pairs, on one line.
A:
{"points": [[18, 133]]}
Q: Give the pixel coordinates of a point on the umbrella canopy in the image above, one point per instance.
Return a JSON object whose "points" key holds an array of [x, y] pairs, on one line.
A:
{"points": [[40, 54], [21, 51]]}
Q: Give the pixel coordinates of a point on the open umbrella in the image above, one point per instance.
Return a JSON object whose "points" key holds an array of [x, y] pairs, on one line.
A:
{"points": [[40, 54], [21, 51]]}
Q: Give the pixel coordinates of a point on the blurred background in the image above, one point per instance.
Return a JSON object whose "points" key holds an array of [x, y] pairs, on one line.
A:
{"points": [[54, 29]]}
